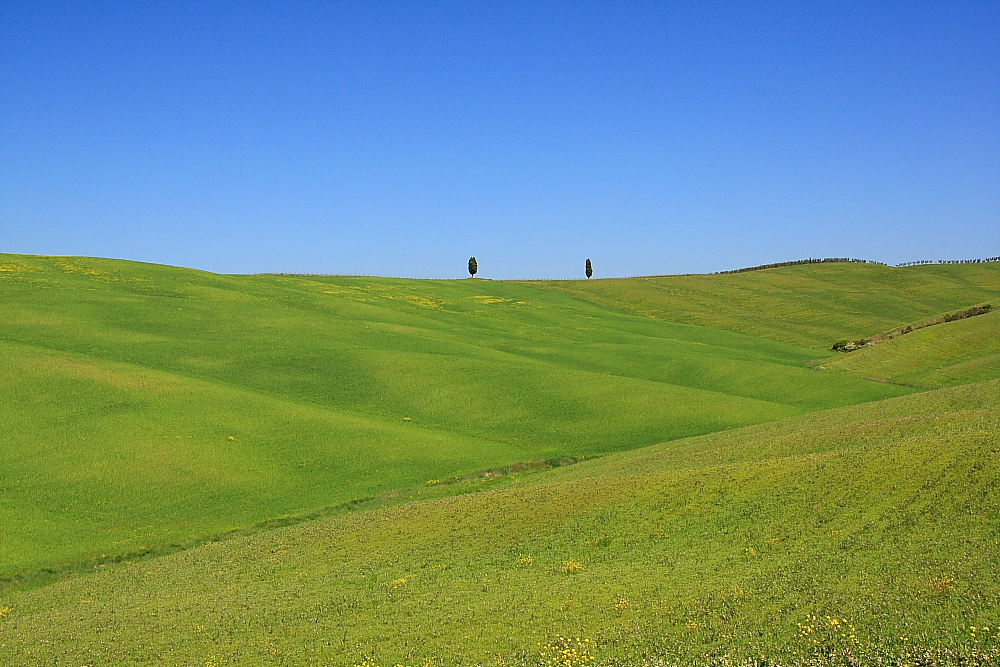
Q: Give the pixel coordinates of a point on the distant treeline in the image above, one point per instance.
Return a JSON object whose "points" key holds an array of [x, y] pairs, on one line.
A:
{"points": [[825, 260], [949, 261]]}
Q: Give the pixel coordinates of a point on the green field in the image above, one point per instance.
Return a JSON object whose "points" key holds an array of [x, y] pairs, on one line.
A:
{"points": [[149, 408], [812, 305], [127, 380], [942, 355], [883, 517]]}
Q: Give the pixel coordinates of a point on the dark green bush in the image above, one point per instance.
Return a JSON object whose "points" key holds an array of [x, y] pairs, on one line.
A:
{"points": [[971, 312], [849, 345]]}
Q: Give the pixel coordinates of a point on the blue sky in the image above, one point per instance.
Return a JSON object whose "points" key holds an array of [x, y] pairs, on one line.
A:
{"points": [[401, 138]]}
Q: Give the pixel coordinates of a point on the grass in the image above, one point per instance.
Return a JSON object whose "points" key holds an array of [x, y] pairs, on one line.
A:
{"points": [[126, 381], [812, 305], [943, 355], [320, 437], [859, 533]]}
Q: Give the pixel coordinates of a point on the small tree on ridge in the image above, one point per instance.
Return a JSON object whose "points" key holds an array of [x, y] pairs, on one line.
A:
{"points": [[590, 269], [473, 267]]}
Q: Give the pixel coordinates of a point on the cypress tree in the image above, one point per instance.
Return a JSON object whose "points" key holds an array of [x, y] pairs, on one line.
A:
{"points": [[590, 269], [473, 267]]}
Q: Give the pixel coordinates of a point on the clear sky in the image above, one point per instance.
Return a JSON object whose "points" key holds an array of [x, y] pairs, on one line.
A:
{"points": [[401, 138]]}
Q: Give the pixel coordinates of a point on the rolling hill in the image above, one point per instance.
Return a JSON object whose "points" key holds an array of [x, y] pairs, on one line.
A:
{"points": [[811, 305], [736, 488], [943, 355], [861, 534], [148, 404]]}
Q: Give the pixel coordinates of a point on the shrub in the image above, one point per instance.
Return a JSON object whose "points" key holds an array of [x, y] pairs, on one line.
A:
{"points": [[971, 312], [849, 345]]}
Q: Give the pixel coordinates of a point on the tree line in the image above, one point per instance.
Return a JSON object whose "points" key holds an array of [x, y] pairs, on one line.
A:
{"points": [[797, 262], [825, 260], [950, 261]]}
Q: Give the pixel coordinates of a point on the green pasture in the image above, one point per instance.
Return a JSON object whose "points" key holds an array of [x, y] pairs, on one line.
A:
{"points": [[810, 305], [859, 535], [739, 490], [942, 355], [124, 383]]}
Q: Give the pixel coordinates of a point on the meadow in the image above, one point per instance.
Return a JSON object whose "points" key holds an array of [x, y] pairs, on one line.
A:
{"points": [[943, 355], [839, 537], [149, 404], [736, 489], [812, 305]]}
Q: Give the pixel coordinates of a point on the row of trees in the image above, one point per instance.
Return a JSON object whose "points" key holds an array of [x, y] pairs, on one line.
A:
{"points": [[474, 268], [825, 260], [950, 261], [860, 261]]}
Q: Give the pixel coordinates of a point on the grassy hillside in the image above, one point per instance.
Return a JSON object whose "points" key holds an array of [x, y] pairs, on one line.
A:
{"points": [[144, 404], [943, 355], [869, 531], [812, 305]]}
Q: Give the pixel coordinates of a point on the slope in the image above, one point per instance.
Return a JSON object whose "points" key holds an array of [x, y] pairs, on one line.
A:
{"points": [[851, 536], [943, 355], [811, 305], [124, 382]]}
